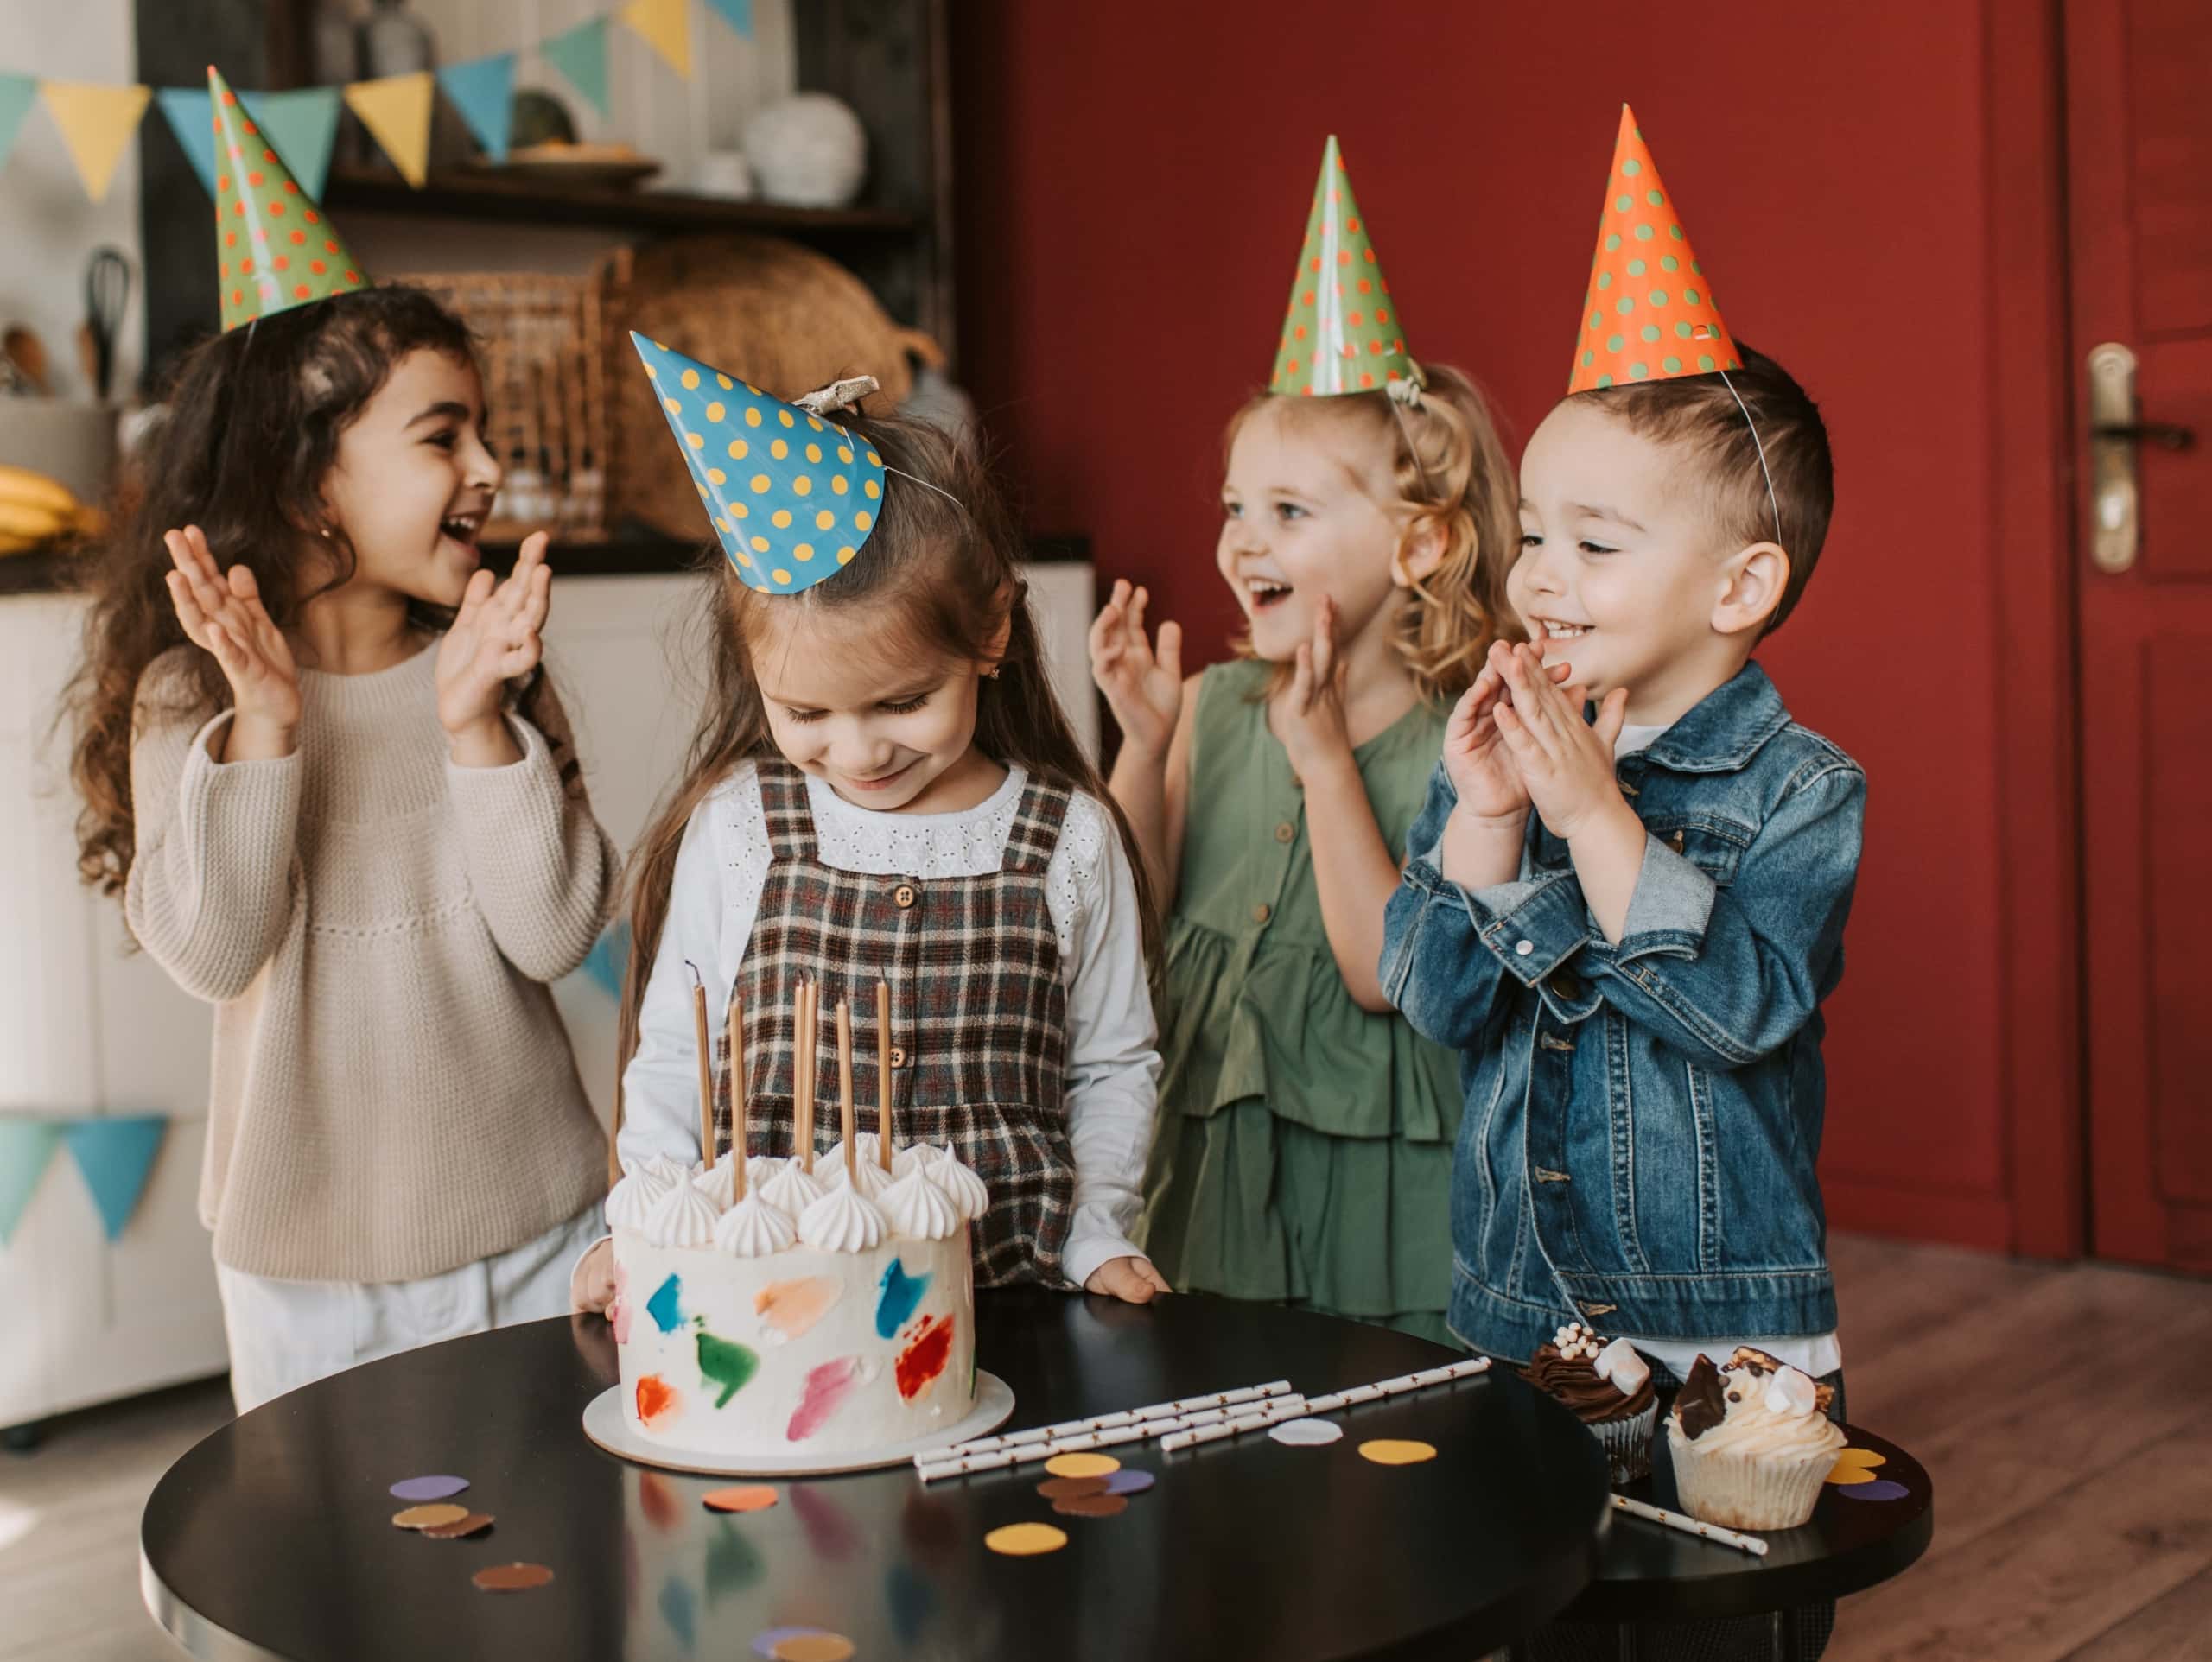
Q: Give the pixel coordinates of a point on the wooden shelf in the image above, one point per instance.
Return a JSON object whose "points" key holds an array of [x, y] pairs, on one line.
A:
{"points": [[468, 194], [636, 552]]}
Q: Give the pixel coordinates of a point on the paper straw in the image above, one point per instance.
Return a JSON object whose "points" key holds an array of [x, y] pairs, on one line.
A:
{"points": [[1268, 1414], [1095, 1422], [706, 1064], [932, 1469], [883, 1073], [1463, 1369], [736, 1069], [845, 1091], [1649, 1513]]}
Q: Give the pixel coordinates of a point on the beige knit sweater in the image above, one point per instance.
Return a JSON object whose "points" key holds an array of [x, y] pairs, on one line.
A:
{"points": [[393, 1093]]}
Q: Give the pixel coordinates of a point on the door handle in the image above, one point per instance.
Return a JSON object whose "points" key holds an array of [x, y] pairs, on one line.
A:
{"points": [[2115, 429]]}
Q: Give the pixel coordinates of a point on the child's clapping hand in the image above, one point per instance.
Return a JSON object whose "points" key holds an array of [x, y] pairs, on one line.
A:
{"points": [[1132, 1280], [1565, 764], [1477, 758], [494, 638], [1143, 684]]}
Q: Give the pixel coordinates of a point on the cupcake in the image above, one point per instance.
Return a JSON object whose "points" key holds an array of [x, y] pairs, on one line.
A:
{"points": [[1751, 1441], [1608, 1387]]}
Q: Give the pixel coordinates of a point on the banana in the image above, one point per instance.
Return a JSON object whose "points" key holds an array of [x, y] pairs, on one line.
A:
{"points": [[22, 485], [20, 519]]}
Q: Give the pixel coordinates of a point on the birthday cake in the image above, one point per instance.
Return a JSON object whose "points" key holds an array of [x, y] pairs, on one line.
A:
{"points": [[779, 1308]]}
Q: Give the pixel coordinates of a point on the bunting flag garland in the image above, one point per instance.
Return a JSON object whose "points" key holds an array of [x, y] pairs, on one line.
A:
{"points": [[96, 121], [483, 90], [114, 1155], [397, 112], [302, 125], [580, 54]]}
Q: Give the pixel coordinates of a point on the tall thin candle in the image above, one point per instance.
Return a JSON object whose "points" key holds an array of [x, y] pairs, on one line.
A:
{"points": [[735, 1067], [804, 1129], [883, 1073], [845, 1089], [706, 1064]]}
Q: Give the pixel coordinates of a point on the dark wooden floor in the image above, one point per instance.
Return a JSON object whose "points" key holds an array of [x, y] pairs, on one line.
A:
{"points": [[2064, 1413]]}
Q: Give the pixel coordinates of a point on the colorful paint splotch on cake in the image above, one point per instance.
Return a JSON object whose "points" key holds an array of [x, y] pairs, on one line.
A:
{"points": [[777, 1335]]}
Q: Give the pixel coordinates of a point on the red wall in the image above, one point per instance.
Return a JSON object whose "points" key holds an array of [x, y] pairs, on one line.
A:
{"points": [[1133, 182]]}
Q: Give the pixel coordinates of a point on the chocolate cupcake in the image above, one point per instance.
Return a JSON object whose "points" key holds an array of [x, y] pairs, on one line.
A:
{"points": [[1751, 1441], [1608, 1389]]}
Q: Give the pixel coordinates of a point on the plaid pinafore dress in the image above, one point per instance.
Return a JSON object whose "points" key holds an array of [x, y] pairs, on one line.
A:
{"points": [[978, 1016]]}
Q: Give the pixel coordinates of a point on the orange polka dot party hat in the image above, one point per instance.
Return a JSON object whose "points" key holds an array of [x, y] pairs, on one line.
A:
{"points": [[793, 495], [274, 249], [1648, 315], [1342, 333]]}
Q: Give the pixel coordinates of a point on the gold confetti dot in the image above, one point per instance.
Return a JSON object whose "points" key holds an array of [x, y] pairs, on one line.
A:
{"points": [[1025, 1540], [722, 525], [812, 1647], [760, 545], [671, 405], [749, 1497], [739, 510], [839, 484], [760, 483], [424, 1517], [781, 575], [786, 418], [815, 425], [779, 450], [717, 475], [872, 489], [862, 520], [737, 450], [802, 551], [874, 460], [824, 520], [1082, 1465], [844, 557], [1396, 1451], [814, 451], [690, 379], [781, 519], [713, 412], [696, 440], [844, 453], [751, 416], [803, 487], [724, 382]]}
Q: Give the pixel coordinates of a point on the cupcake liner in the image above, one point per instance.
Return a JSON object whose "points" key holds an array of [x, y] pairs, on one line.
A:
{"points": [[1740, 1490], [1627, 1442]]}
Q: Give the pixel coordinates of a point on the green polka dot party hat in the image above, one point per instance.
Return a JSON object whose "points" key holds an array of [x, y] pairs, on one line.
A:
{"points": [[793, 495], [1648, 315], [274, 249], [1342, 333]]}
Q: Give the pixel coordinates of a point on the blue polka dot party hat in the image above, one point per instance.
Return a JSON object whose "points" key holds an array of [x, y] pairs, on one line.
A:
{"points": [[1341, 333], [1648, 315], [793, 495]]}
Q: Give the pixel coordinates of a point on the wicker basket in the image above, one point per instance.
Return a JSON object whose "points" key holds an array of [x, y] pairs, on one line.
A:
{"points": [[542, 348], [783, 317]]}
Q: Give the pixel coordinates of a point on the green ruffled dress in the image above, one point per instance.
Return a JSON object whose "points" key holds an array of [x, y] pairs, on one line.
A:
{"points": [[1304, 1152]]}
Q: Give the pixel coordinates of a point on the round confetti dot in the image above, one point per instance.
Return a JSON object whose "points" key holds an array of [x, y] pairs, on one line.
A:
{"points": [[461, 1528], [716, 476], [844, 557], [745, 1497], [511, 1577], [760, 483], [1396, 1451], [1655, 199], [1672, 364], [1101, 1505], [1605, 280], [759, 545], [723, 526], [1650, 331], [1614, 342], [696, 440], [1082, 1465], [813, 1648], [1705, 361], [1025, 1540], [1681, 332], [844, 453], [1305, 1433], [1127, 1481], [1644, 234], [1070, 1489], [781, 575], [870, 489], [874, 460], [1860, 1460], [1637, 268], [752, 418], [814, 452], [671, 405], [1605, 381], [1612, 242], [803, 487], [739, 510], [1624, 306], [1623, 204], [787, 418], [824, 520], [690, 379], [839, 484], [1640, 371], [713, 412], [779, 450], [862, 520], [1879, 1488], [441, 1487], [781, 519], [1668, 262], [738, 450], [1658, 296], [724, 382], [424, 1517], [802, 552]]}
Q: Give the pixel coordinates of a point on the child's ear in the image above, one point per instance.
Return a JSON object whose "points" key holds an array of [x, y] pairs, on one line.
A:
{"points": [[1420, 551], [1755, 580], [994, 653]]}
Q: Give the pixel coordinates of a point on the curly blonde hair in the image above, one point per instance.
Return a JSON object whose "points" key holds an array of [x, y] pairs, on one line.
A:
{"points": [[1450, 468]]}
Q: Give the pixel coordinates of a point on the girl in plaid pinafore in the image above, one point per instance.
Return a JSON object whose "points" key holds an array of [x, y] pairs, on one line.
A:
{"points": [[885, 791]]}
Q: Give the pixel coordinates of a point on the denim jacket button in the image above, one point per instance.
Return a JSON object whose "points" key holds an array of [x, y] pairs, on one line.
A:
{"points": [[1564, 985], [1524, 948]]}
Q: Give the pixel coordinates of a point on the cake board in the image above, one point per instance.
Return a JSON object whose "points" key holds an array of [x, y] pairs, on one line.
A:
{"points": [[606, 1425]]}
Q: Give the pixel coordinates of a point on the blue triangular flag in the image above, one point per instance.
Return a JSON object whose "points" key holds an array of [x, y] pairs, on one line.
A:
{"points": [[115, 1155], [580, 54], [608, 957], [17, 93], [738, 13], [483, 90], [25, 1145], [301, 126]]}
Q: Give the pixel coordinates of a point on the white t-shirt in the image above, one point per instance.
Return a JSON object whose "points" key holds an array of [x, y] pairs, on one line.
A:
{"points": [[1823, 1353], [1113, 1063]]}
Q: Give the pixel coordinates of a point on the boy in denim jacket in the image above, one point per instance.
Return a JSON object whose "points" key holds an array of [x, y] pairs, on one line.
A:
{"points": [[1628, 926]]}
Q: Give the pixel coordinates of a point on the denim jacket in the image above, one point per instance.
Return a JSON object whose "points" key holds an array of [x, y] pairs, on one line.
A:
{"points": [[1643, 1119]]}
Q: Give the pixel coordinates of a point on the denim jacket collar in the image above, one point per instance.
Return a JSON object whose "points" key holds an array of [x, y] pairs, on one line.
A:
{"points": [[1726, 728]]}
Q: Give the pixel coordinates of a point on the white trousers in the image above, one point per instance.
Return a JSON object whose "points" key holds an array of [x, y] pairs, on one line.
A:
{"points": [[287, 1334]]}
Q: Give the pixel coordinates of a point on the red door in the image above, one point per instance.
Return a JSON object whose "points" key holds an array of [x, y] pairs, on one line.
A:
{"points": [[2139, 186]]}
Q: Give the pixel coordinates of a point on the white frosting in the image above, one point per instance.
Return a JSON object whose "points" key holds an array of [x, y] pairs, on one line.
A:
{"points": [[792, 1189], [754, 1228], [1620, 1366], [920, 1208], [759, 1169], [630, 1199], [1770, 1417], [682, 1217], [871, 1178], [665, 1171], [909, 1158], [965, 1188], [1791, 1392], [843, 1221], [866, 1150], [718, 1183]]}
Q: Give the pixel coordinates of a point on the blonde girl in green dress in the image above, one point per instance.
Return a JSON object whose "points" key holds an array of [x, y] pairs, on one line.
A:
{"points": [[1304, 1152]]}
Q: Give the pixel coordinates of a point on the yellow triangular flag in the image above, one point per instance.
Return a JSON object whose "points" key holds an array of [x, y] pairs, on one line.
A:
{"points": [[96, 123], [398, 111], [666, 26]]}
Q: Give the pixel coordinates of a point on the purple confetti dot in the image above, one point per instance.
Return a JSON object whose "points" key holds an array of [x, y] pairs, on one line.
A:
{"points": [[429, 1489], [1879, 1489], [1129, 1482]]}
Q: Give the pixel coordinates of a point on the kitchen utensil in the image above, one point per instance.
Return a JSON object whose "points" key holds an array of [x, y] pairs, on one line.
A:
{"points": [[107, 292]]}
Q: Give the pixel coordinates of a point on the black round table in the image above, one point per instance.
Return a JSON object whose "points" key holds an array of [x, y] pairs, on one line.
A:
{"points": [[273, 1536], [1648, 1573]]}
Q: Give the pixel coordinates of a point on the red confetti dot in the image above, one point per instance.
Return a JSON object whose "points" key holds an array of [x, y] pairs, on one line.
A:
{"points": [[1316, 265], [216, 123], [1386, 287], [1309, 390], [291, 185], [1370, 257], [330, 247], [276, 208], [229, 98], [1354, 320], [245, 267], [1381, 314], [301, 292], [1374, 348], [1364, 285], [354, 277], [250, 128], [317, 267], [1291, 368], [222, 184], [283, 263], [1307, 298], [221, 269], [1351, 224], [254, 179], [230, 239], [238, 208], [266, 156], [314, 219], [298, 237], [237, 296], [1365, 379], [1343, 257], [1300, 332]]}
